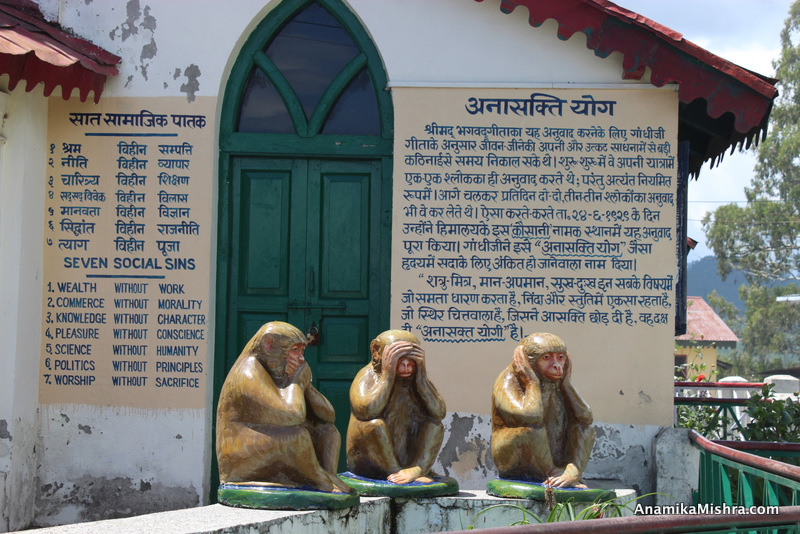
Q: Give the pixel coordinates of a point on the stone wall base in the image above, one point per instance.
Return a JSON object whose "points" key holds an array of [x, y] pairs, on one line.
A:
{"points": [[470, 508]]}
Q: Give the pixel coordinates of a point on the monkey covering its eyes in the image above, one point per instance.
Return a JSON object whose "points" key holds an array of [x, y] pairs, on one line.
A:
{"points": [[395, 429]]}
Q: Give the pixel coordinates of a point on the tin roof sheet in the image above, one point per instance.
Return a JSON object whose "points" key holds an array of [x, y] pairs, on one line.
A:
{"points": [[38, 51], [703, 323]]}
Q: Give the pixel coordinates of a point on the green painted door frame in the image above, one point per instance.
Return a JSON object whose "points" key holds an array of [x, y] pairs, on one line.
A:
{"points": [[304, 219]]}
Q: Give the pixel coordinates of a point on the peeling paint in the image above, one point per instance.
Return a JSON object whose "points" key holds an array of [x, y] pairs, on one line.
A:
{"points": [[129, 27], [607, 444], [99, 498], [49, 490], [644, 397], [192, 72], [623, 452], [149, 51], [149, 21], [4, 433], [138, 19], [466, 452], [85, 428], [459, 429]]}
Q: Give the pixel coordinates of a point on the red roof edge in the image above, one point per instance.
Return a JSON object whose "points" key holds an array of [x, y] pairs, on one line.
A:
{"points": [[703, 324], [89, 67], [726, 87]]}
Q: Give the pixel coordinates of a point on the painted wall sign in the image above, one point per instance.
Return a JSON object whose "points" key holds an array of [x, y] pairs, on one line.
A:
{"points": [[525, 210], [523, 207], [127, 253]]}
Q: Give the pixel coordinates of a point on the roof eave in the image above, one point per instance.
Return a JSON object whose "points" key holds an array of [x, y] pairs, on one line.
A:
{"points": [[50, 56], [723, 86]]}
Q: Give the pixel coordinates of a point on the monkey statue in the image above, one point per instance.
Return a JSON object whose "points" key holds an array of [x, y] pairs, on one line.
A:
{"points": [[275, 430], [395, 428], [541, 427]]}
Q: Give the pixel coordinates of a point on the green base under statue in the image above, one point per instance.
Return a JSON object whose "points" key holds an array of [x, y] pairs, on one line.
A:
{"points": [[264, 497], [371, 487], [528, 489]]}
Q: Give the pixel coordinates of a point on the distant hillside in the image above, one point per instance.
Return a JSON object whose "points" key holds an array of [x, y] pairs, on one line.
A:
{"points": [[702, 278]]}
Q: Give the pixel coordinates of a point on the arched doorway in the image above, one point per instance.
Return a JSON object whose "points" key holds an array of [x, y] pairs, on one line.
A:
{"points": [[305, 192]]}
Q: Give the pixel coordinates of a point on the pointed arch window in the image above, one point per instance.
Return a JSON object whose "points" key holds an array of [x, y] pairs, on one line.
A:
{"points": [[311, 78]]}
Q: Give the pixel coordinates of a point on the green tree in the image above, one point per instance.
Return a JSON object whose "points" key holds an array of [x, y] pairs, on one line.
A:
{"points": [[762, 238], [726, 310], [771, 328], [768, 331]]}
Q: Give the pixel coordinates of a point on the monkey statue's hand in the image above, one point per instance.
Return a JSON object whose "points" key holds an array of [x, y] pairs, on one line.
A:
{"points": [[418, 355], [392, 355], [523, 366], [569, 477], [567, 370], [302, 377]]}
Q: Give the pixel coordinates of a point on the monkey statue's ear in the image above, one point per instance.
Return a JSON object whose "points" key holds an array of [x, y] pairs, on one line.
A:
{"points": [[375, 348], [267, 340], [521, 362]]}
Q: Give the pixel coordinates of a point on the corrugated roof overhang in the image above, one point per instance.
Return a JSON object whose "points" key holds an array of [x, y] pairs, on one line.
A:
{"points": [[722, 105], [37, 51]]}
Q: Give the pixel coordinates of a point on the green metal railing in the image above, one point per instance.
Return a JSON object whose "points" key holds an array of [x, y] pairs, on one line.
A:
{"points": [[737, 478], [731, 483], [724, 421]]}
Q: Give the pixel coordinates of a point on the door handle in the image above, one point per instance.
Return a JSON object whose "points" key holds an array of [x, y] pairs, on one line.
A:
{"points": [[312, 335]]}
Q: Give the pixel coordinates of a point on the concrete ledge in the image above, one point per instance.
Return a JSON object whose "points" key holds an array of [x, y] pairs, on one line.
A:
{"points": [[478, 509], [374, 514]]}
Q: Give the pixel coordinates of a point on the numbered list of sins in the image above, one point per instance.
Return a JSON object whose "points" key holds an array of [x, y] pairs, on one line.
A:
{"points": [[121, 225]]}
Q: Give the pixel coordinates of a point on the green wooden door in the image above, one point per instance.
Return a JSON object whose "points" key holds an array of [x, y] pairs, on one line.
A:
{"points": [[302, 234], [305, 193]]}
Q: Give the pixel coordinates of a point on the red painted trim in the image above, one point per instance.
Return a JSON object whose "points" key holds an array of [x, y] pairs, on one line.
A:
{"points": [[39, 52], [710, 401], [652, 524], [90, 55], [720, 385], [31, 70], [726, 87], [759, 445]]}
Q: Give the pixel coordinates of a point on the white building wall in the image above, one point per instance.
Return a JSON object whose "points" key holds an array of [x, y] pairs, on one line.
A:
{"points": [[22, 165], [82, 463]]}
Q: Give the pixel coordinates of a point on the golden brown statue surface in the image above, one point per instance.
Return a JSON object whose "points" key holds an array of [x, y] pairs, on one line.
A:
{"points": [[395, 429], [541, 428], [273, 426]]}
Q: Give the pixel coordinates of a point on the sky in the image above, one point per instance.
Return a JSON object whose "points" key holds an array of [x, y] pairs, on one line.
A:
{"points": [[745, 32]]}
